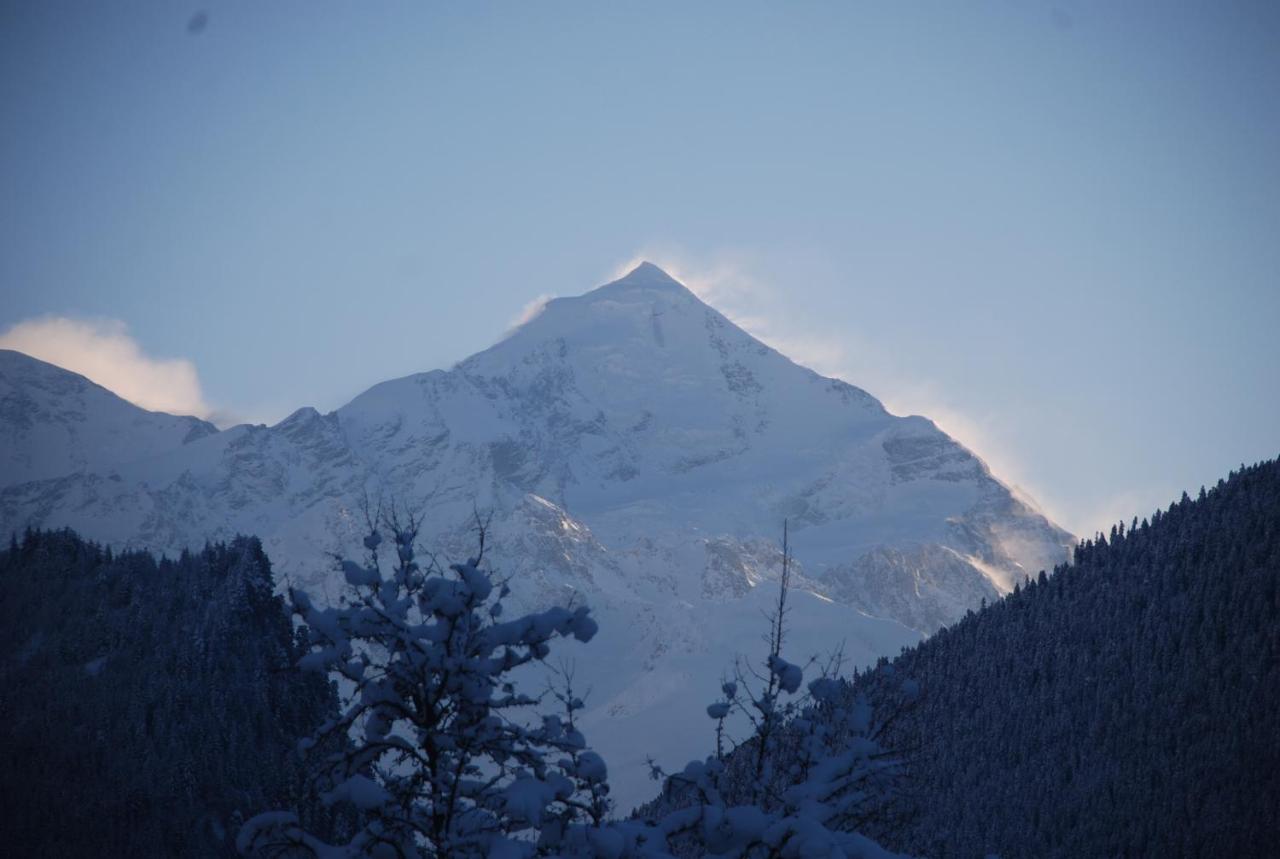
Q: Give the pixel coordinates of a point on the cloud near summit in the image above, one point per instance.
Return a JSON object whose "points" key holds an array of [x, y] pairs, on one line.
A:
{"points": [[102, 351]]}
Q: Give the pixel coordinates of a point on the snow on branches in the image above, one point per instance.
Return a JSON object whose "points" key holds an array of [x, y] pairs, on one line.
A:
{"points": [[800, 785], [442, 755], [441, 760]]}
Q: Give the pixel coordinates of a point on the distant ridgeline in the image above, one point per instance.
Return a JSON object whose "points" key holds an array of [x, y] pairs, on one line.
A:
{"points": [[144, 705], [1127, 705]]}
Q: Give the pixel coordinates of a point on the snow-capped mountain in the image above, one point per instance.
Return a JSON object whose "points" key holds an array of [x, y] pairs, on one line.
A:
{"points": [[637, 450], [54, 423]]}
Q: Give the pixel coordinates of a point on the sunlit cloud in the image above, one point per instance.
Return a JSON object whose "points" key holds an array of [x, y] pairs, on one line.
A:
{"points": [[975, 432], [103, 351]]}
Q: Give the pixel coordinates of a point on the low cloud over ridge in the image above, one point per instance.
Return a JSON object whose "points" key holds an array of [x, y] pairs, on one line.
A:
{"points": [[103, 351]]}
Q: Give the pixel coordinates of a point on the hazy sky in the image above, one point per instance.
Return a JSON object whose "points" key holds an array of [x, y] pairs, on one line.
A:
{"points": [[1055, 229]]}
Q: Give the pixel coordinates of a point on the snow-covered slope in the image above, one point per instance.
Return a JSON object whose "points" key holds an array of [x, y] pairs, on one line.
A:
{"points": [[53, 422], [638, 451]]}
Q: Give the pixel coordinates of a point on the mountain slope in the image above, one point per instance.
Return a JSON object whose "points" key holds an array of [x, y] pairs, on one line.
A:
{"points": [[54, 422], [636, 449], [637, 407]]}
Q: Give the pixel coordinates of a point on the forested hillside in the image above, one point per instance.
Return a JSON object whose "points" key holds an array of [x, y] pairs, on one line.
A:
{"points": [[1127, 705], [146, 706]]}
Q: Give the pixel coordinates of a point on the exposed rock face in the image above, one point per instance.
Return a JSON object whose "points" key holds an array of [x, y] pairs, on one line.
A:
{"points": [[637, 451], [924, 587]]}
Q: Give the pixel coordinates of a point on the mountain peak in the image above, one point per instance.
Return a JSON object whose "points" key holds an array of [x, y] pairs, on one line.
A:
{"points": [[644, 276], [646, 272]]}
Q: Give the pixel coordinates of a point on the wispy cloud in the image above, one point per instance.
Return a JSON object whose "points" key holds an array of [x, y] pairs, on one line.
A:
{"points": [[723, 280], [528, 313], [1123, 506], [729, 282], [103, 351]]}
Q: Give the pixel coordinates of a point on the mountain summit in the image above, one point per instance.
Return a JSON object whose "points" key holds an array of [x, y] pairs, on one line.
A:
{"points": [[645, 274], [638, 451]]}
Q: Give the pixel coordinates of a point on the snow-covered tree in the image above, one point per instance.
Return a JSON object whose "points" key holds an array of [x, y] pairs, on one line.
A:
{"points": [[808, 776], [447, 756]]}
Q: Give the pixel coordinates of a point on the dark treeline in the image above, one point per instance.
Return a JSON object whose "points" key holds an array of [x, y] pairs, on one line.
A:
{"points": [[146, 706], [1127, 705]]}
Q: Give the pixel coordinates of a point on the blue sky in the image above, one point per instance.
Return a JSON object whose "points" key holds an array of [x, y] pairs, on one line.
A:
{"points": [[1054, 228]]}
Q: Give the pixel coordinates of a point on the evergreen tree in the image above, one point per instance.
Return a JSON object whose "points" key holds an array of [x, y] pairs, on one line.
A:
{"points": [[449, 757]]}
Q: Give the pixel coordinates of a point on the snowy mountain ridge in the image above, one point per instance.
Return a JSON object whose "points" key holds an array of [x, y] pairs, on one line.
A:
{"points": [[637, 450], [54, 422]]}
